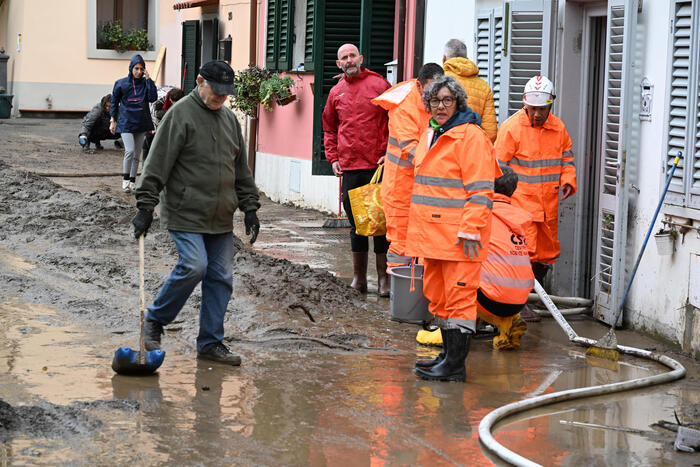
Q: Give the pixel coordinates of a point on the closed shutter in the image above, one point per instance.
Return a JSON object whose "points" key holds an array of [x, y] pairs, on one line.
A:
{"points": [[679, 102], [488, 49], [369, 23], [271, 34], [190, 54], [527, 52], [309, 35], [693, 152], [613, 197], [286, 35]]}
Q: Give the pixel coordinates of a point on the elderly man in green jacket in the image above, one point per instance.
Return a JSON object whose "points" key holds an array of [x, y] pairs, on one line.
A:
{"points": [[198, 168]]}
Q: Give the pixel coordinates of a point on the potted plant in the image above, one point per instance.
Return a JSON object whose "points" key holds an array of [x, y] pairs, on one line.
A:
{"points": [[137, 39], [113, 34], [276, 88], [247, 84]]}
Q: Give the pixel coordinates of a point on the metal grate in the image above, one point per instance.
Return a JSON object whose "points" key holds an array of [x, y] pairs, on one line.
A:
{"points": [[611, 136], [497, 56], [607, 235], [483, 46]]}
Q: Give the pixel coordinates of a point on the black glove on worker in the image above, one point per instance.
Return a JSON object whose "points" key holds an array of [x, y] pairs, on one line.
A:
{"points": [[252, 225], [142, 221]]}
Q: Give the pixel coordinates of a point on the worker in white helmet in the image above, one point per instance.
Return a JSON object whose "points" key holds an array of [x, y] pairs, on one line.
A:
{"points": [[536, 145]]}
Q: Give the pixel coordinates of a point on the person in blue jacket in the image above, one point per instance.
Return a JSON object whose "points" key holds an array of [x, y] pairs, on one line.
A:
{"points": [[131, 116]]}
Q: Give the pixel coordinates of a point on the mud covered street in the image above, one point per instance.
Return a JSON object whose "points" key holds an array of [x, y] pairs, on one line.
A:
{"points": [[326, 376]]}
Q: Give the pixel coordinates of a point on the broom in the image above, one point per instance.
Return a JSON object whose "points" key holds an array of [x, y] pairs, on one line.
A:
{"points": [[339, 222], [606, 346]]}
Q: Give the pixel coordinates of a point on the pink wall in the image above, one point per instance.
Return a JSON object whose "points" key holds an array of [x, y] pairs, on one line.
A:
{"points": [[288, 130]]}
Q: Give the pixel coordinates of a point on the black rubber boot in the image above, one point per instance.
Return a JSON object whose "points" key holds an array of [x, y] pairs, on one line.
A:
{"points": [[383, 284], [453, 367], [441, 356], [359, 267], [152, 332], [540, 271]]}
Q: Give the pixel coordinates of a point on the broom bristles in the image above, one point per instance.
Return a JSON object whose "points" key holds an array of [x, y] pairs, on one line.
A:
{"points": [[605, 348]]}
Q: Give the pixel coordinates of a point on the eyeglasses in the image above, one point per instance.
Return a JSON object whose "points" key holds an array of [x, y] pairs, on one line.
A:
{"points": [[446, 101]]}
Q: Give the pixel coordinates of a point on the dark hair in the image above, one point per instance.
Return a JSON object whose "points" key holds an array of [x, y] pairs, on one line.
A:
{"points": [[103, 102], [506, 183], [429, 71], [175, 94], [445, 82]]}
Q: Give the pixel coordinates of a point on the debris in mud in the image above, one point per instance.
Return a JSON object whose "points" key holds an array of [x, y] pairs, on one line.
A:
{"points": [[45, 420]]}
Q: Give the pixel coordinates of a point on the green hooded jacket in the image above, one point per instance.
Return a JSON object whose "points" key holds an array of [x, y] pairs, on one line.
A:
{"points": [[198, 164]]}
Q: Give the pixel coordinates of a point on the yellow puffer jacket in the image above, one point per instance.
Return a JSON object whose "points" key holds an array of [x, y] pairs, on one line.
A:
{"points": [[480, 97]]}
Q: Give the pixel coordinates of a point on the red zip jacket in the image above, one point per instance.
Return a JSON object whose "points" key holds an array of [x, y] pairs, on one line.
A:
{"points": [[355, 130]]}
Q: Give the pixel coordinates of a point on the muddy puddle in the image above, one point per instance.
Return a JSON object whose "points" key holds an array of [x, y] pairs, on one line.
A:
{"points": [[326, 376]]}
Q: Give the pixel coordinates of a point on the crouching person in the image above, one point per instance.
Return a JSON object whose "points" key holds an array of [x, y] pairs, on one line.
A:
{"points": [[450, 220], [203, 181], [95, 126]]}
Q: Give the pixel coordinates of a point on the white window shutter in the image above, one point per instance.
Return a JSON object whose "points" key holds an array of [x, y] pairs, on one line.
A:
{"points": [[527, 53], [613, 191], [692, 153], [488, 49], [678, 108]]}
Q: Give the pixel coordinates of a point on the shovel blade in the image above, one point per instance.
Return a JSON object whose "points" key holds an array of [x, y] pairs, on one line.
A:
{"points": [[126, 362]]}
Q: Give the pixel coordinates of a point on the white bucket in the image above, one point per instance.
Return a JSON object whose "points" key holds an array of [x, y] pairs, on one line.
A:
{"points": [[664, 243], [407, 306]]}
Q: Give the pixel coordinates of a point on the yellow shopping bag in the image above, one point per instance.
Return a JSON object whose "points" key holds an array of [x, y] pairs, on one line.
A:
{"points": [[368, 208]]}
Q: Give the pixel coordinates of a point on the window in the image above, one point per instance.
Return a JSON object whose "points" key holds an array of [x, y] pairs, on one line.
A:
{"points": [[488, 49], [132, 14], [683, 132], [279, 38], [370, 24]]}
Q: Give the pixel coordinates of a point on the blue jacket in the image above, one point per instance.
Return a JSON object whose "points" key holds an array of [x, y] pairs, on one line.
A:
{"points": [[130, 98]]}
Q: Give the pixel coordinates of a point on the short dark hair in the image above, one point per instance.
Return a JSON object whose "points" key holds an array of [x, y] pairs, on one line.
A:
{"points": [[429, 71], [506, 183], [175, 94], [450, 83]]}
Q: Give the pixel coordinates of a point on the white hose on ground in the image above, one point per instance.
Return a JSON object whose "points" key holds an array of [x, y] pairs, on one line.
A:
{"points": [[486, 424], [568, 302], [568, 312]]}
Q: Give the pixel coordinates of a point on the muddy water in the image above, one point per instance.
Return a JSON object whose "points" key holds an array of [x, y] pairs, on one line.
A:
{"points": [[309, 407]]}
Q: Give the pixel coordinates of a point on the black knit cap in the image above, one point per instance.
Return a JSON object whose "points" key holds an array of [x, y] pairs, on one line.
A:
{"points": [[219, 75]]}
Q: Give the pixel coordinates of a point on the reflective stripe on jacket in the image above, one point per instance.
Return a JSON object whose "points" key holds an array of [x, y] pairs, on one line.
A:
{"points": [[479, 95], [543, 160], [506, 275], [408, 119], [355, 131], [452, 193]]}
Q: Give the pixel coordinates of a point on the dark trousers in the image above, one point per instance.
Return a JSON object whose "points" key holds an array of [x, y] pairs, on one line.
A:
{"points": [[360, 243], [100, 133]]}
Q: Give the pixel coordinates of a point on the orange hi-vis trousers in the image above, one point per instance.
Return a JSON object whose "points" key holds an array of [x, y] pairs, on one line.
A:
{"points": [[542, 242], [451, 286]]}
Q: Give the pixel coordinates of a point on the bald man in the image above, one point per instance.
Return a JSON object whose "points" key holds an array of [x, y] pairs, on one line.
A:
{"points": [[355, 138]]}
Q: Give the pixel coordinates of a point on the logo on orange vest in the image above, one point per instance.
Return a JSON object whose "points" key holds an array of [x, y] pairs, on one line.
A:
{"points": [[517, 239]]}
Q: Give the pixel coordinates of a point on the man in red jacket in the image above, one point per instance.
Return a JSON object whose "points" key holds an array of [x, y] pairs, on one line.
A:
{"points": [[355, 138]]}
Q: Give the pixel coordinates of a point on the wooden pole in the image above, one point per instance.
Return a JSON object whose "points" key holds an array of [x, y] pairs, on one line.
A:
{"points": [[158, 64]]}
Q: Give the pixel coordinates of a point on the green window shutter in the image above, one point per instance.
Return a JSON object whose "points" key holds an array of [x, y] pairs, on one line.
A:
{"points": [[377, 34], [272, 34], [309, 35], [190, 54], [335, 23], [214, 39], [285, 38]]}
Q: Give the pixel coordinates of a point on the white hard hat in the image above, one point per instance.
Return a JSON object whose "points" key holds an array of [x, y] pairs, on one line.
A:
{"points": [[539, 92]]}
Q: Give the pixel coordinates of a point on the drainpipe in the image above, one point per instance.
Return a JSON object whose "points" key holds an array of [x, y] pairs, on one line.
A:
{"points": [[400, 39], [253, 127]]}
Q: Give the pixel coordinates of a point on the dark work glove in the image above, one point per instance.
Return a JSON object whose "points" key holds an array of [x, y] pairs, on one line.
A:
{"points": [[142, 221], [471, 248], [252, 225]]}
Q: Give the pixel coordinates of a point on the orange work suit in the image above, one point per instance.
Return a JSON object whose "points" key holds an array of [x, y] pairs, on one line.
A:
{"points": [[452, 198], [506, 274], [407, 121], [543, 160]]}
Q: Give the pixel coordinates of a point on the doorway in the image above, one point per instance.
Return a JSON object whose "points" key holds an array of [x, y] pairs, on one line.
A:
{"points": [[595, 30]]}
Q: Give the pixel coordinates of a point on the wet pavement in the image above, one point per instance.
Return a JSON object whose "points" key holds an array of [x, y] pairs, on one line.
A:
{"points": [[337, 390]]}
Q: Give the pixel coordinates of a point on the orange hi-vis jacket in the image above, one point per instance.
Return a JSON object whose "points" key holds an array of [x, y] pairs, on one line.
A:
{"points": [[408, 119], [506, 275], [452, 192], [543, 160]]}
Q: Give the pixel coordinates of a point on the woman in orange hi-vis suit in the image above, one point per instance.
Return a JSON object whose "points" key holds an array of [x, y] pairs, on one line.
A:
{"points": [[407, 121], [450, 219], [536, 145]]}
